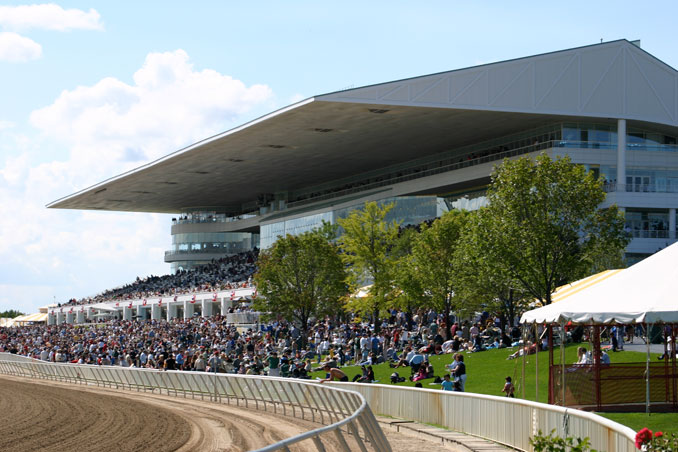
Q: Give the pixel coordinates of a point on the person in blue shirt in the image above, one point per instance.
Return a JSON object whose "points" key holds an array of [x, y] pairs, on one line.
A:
{"points": [[180, 360], [447, 384]]}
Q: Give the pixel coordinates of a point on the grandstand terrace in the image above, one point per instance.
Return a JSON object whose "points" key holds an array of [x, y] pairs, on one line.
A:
{"points": [[427, 143]]}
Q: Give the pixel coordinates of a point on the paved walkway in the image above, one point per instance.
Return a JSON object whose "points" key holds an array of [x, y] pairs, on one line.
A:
{"points": [[452, 440]]}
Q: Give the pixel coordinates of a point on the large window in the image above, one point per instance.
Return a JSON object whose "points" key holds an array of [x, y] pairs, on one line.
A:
{"points": [[647, 224], [604, 136], [408, 210], [652, 180]]}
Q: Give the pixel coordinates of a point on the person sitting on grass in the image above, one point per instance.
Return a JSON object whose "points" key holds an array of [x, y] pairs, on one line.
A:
{"points": [[405, 358], [333, 374], [530, 348]]}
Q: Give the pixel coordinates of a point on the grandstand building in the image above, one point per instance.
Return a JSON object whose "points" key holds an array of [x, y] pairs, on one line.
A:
{"points": [[428, 143]]}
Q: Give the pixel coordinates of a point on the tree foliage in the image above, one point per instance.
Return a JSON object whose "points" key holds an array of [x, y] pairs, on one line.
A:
{"points": [[10, 314], [301, 277], [368, 244], [481, 282], [543, 228], [432, 264]]}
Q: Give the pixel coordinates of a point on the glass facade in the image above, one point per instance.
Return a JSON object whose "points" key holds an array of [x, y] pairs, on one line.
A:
{"points": [[212, 245], [407, 210], [652, 180], [213, 242], [604, 136], [647, 224], [634, 258]]}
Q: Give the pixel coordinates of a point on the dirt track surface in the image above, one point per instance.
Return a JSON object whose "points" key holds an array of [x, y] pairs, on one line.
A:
{"points": [[45, 416]]}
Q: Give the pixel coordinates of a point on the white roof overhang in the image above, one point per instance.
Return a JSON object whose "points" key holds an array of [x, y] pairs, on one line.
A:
{"points": [[329, 137]]}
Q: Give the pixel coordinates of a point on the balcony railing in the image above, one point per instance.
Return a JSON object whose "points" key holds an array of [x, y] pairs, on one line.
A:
{"points": [[649, 234], [610, 187], [226, 248]]}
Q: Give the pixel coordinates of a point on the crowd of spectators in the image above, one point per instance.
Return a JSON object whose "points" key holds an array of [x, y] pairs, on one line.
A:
{"points": [[227, 273], [277, 348]]}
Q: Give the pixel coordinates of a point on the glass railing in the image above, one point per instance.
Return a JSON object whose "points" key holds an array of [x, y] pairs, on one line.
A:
{"points": [[404, 175], [419, 170], [583, 144], [216, 218], [610, 187], [224, 248], [601, 145], [649, 234]]}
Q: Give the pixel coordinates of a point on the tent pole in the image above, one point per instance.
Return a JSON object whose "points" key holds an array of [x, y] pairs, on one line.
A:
{"points": [[522, 385], [551, 394], [536, 362], [596, 364], [673, 363], [648, 327], [562, 362]]}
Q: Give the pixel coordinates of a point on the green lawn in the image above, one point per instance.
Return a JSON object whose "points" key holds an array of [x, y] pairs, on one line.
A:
{"points": [[487, 371]]}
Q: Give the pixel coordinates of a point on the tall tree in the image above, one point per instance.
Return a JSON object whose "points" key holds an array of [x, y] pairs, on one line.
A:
{"points": [[431, 265], [481, 282], [543, 226], [409, 295], [301, 277], [368, 243]]}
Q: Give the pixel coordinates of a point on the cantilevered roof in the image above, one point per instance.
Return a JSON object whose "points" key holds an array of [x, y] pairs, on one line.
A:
{"points": [[341, 134]]}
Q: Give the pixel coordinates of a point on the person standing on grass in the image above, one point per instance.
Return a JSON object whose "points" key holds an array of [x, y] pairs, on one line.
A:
{"points": [[459, 371], [508, 389], [447, 384]]}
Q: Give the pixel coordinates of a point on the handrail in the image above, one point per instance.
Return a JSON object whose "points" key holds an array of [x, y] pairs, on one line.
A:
{"points": [[335, 407], [501, 419]]}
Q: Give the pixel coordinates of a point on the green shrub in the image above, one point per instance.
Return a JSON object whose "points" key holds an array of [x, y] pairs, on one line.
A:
{"points": [[554, 443]]}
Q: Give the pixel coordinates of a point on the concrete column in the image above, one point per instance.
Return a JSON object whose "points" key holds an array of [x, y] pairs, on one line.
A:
{"points": [[156, 312], [51, 318], [80, 316], [621, 155], [188, 309], [89, 314], [672, 223], [61, 318], [127, 313], [143, 312], [171, 311], [207, 308], [225, 305], [70, 317]]}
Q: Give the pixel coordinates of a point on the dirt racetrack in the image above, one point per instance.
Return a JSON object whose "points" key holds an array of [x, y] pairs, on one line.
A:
{"points": [[46, 416]]}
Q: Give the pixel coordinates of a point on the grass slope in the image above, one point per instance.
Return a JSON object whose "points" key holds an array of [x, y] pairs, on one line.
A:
{"points": [[487, 371]]}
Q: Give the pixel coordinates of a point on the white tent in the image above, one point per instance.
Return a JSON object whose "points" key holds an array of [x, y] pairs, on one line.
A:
{"points": [[646, 292]]}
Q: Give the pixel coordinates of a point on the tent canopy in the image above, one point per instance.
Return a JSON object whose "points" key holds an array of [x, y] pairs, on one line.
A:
{"points": [[646, 292]]}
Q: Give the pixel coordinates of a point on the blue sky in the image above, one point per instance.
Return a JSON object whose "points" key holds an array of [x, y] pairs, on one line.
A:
{"points": [[90, 89]]}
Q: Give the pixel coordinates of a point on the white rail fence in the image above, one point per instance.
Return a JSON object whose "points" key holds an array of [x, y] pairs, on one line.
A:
{"points": [[344, 413], [508, 421]]}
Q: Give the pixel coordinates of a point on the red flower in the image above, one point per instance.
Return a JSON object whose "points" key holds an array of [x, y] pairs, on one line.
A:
{"points": [[658, 434], [642, 437]]}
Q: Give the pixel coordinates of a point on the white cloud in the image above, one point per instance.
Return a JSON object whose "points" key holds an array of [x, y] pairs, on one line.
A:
{"points": [[6, 124], [106, 127], [169, 106], [48, 17], [16, 48]]}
